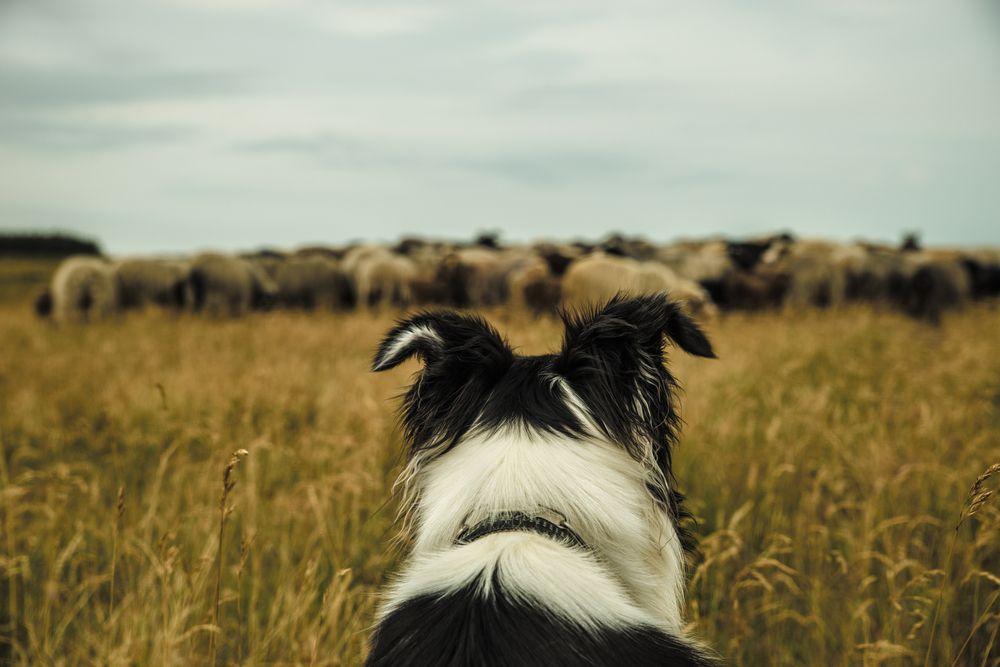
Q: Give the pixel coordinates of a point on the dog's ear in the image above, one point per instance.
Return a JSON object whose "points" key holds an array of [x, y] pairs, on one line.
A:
{"points": [[641, 323], [443, 337], [612, 358], [463, 358]]}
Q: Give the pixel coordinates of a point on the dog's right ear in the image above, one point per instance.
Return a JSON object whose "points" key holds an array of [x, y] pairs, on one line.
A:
{"points": [[443, 337]]}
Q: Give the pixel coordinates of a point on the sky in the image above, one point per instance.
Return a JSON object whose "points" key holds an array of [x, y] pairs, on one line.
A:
{"points": [[175, 125]]}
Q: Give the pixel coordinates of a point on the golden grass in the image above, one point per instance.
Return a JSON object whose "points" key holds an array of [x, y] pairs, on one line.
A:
{"points": [[829, 458]]}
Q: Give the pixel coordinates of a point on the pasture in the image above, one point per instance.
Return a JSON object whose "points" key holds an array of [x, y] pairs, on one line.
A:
{"points": [[827, 455]]}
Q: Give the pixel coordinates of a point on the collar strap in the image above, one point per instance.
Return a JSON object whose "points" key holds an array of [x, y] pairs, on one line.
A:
{"points": [[511, 521]]}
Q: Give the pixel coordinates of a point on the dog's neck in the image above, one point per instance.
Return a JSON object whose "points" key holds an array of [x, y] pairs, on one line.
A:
{"points": [[598, 489]]}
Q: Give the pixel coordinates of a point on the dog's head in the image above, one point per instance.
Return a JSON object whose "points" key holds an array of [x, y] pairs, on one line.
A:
{"points": [[584, 433], [608, 381]]}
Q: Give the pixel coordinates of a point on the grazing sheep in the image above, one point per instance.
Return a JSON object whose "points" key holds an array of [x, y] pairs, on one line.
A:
{"points": [[311, 281], [983, 267], [226, 285], [428, 285], [707, 261], [320, 251], [816, 271], [763, 288], [380, 277], [83, 289], [477, 276], [934, 282], [533, 286], [558, 257], [624, 246], [159, 282], [599, 277], [866, 272], [654, 278]]}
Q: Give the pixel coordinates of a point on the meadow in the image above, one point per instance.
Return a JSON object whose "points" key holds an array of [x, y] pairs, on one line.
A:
{"points": [[828, 456]]}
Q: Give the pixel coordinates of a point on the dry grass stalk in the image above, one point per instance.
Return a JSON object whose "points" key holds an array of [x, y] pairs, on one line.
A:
{"points": [[975, 499], [245, 544], [228, 483], [8, 526], [116, 532]]}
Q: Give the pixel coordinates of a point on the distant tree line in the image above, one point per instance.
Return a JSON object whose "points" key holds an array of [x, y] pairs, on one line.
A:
{"points": [[46, 245]]}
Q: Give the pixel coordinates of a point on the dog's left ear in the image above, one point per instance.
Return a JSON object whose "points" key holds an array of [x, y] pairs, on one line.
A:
{"points": [[641, 323], [443, 338]]}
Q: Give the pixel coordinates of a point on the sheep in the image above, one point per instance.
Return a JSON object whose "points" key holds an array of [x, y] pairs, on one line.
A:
{"points": [[983, 266], [83, 289], [532, 285], [599, 276], [222, 284], [380, 276], [159, 282], [476, 276], [933, 282], [311, 281], [815, 271]]}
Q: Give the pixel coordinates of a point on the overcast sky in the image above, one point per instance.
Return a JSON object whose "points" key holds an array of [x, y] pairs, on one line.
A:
{"points": [[159, 125]]}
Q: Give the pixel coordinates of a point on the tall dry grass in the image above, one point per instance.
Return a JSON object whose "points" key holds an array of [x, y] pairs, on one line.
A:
{"points": [[828, 456]]}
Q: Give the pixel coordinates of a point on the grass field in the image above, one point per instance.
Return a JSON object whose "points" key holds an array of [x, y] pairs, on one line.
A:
{"points": [[827, 455]]}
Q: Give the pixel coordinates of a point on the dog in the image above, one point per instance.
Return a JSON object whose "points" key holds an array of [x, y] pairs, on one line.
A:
{"points": [[546, 524]]}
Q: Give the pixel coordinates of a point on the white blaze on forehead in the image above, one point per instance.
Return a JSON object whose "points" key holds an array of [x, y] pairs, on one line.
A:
{"points": [[403, 341], [596, 485]]}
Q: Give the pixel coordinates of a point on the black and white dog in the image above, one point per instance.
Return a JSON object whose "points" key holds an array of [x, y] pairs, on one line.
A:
{"points": [[547, 529]]}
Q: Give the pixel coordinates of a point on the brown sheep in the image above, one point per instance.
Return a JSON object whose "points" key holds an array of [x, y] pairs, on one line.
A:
{"points": [[228, 285]]}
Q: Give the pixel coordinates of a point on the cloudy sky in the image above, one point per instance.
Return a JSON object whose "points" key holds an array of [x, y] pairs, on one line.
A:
{"points": [[181, 124]]}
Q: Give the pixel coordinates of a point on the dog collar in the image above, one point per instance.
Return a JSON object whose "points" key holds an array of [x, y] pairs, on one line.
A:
{"points": [[511, 521]]}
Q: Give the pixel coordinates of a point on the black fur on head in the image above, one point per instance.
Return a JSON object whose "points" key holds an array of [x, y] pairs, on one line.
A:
{"points": [[611, 360], [464, 358]]}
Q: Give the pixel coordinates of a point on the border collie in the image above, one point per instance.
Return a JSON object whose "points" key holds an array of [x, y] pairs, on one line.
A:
{"points": [[547, 528]]}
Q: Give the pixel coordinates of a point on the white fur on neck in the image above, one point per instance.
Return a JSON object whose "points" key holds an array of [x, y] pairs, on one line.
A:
{"points": [[600, 490], [570, 583]]}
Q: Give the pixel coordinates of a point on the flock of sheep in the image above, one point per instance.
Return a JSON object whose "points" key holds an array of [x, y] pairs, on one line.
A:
{"points": [[709, 275]]}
